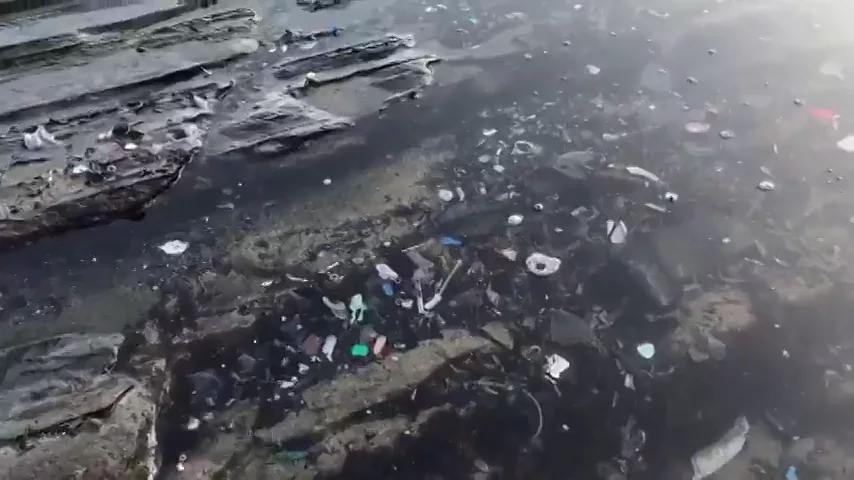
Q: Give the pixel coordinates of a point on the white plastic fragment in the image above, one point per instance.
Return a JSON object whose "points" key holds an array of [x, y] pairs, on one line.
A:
{"points": [[629, 381], [498, 168], [712, 458], [488, 132], [379, 345], [446, 195], [766, 185], [338, 308], [357, 309], [697, 127], [642, 172], [79, 168], [556, 365], [509, 254], [524, 147], [327, 181], [329, 346], [846, 144], [387, 273], [593, 69], [671, 197], [193, 424], [617, 232], [646, 350], [131, 146], [656, 207], [514, 220], [460, 193], [174, 247], [542, 265], [38, 139]]}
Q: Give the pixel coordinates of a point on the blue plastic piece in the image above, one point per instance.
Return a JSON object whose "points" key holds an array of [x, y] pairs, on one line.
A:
{"points": [[454, 242], [388, 288], [792, 473]]}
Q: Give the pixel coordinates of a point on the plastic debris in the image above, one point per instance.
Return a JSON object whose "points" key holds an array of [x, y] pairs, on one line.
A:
{"points": [[617, 232], [846, 144], [824, 114], [514, 220], [642, 172], [766, 185], [726, 134], [357, 309], [193, 424], [593, 69], [174, 247], [338, 308], [712, 458], [438, 296], [329, 346], [671, 197], [311, 345], [831, 69], [379, 345], [792, 473], [657, 208], [646, 350], [697, 127], [327, 181], [488, 132], [493, 296], [509, 254], [556, 365], [388, 289], [38, 139], [451, 241], [611, 137], [130, 146], [446, 195], [524, 147], [359, 350], [542, 265], [538, 207], [498, 168], [629, 381], [387, 273]]}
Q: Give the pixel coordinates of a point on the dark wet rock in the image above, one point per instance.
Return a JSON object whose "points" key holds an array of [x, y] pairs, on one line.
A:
{"points": [[566, 328], [351, 392], [227, 327], [643, 266]]}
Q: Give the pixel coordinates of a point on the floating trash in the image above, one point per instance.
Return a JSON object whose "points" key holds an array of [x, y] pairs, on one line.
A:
{"points": [[593, 69], [524, 147], [712, 458], [646, 350], [671, 197], [193, 424], [498, 168], [515, 220], [766, 185], [451, 241], [327, 181], [538, 207], [379, 345], [556, 365], [726, 134], [509, 254], [642, 172], [692, 80], [329, 346], [824, 114], [792, 473], [37, 139], [611, 137], [657, 208], [338, 308], [359, 350], [488, 132], [831, 69], [846, 144], [542, 265], [388, 289], [174, 247], [357, 309], [617, 231], [697, 127], [387, 273], [446, 195], [131, 146]]}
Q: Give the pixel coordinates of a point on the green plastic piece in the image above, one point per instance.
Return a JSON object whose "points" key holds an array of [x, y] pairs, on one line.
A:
{"points": [[359, 350]]}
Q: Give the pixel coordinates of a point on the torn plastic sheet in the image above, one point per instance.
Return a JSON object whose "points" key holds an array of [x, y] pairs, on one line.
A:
{"points": [[556, 365], [338, 308], [542, 265], [644, 173], [712, 458], [387, 273], [617, 232]]}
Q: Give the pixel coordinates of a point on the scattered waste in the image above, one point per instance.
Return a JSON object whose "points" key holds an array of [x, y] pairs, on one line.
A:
{"points": [[359, 350], [387, 273], [846, 144], [431, 304], [629, 381], [538, 207], [611, 137], [792, 473], [831, 69], [327, 181], [357, 309], [556, 365], [542, 265], [37, 139], [446, 195], [726, 134], [646, 350], [515, 220], [766, 185], [798, 102], [697, 127], [131, 146], [657, 208], [329, 346], [617, 231], [493, 296], [824, 114], [712, 458], [311, 345], [451, 241], [460, 193], [388, 289], [524, 147], [593, 69], [498, 168], [174, 247], [488, 132], [642, 172], [509, 254], [379, 345], [193, 424], [671, 197], [339, 309]]}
